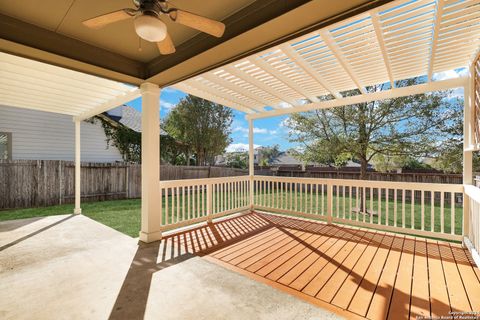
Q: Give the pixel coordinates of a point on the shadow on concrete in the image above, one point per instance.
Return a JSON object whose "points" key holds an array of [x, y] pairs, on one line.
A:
{"points": [[8, 245], [132, 299]]}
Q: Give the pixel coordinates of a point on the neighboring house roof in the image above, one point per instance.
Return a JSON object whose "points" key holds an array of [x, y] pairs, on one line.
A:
{"points": [[286, 159], [129, 117]]}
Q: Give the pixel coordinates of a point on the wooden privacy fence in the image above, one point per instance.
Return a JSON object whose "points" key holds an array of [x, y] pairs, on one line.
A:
{"points": [[374, 175], [35, 183]]}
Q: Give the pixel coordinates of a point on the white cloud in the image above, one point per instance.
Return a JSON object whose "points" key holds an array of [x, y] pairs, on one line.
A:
{"points": [[451, 74], [166, 105], [255, 130], [238, 147], [169, 90], [445, 75]]}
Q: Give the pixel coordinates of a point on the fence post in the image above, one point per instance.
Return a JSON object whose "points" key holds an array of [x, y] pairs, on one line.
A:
{"points": [[329, 202], [209, 202]]}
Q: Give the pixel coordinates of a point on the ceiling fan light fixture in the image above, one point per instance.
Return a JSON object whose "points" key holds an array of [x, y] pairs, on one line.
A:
{"points": [[150, 28]]}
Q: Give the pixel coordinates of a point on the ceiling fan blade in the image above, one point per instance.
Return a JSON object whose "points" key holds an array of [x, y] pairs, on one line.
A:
{"points": [[105, 19], [166, 46], [200, 23]]}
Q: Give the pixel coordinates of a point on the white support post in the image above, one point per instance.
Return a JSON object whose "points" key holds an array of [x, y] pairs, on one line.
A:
{"points": [[251, 164], [468, 105], [78, 209], [151, 197], [329, 202], [467, 133], [209, 202]]}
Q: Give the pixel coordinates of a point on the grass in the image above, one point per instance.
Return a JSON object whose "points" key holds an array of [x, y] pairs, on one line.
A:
{"points": [[121, 215], [124, 215], [308, 203]]}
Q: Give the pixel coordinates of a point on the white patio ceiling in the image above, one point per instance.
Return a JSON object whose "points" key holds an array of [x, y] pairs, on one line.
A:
{"points": [[400, 40], [29, 84]]}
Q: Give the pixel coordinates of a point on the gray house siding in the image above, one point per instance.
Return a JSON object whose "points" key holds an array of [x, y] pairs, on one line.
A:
{"points": [[38, 135]]}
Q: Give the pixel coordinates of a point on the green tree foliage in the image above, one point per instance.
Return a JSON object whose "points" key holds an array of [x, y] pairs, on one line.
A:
{"points": [[129, 143], [237, 160], [404, 126], [268, 154], [126, 140], [449, 155], [201, 126]]}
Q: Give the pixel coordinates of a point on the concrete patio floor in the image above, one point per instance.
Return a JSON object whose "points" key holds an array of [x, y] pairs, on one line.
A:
{"points": [[72, 267]]}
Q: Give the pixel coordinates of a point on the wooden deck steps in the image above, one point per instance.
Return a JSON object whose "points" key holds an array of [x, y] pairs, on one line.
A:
{"points": [[355, 272]]}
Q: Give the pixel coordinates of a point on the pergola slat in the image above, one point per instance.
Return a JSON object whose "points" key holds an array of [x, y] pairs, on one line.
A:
{"points": [[39, 86], [396, 41], [337, 52]]}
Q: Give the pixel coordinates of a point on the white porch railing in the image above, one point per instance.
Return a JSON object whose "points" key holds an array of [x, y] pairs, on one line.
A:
{"points": [[472, 221], [190, 201], [426, 209]]}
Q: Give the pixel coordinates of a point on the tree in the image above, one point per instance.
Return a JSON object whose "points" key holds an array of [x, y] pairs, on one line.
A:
{"points": [[129, 143], [203, 127], [396, 127], [449, 156], [268, 154], [237, 160]]}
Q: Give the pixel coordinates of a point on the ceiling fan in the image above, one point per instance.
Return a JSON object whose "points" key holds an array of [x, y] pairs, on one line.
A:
{"points": [[150, 27]]}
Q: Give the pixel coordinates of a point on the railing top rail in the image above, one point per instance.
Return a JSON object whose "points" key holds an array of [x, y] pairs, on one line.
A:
{"points": [[369, 183], [197, 182], [473, 192]]}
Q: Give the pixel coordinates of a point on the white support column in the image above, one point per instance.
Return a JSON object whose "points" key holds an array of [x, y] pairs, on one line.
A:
{"points": [[151, 198], [468, 105], [78, 209], [467, 133], [251, 164]]}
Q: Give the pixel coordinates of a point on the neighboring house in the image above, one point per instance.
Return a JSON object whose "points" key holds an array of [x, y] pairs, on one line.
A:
{"points": [[126, 116], [35, 135]]}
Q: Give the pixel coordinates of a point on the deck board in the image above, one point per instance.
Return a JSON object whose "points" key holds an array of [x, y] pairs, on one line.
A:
{"points": [[420, 300], [345, 294], [329, 290], [456, 291], [382, 296], [357, 273], [439, 301], [361, 300], [400, 303]]}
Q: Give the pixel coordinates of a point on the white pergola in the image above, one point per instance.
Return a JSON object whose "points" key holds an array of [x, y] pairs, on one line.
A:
{"points": [[399, 40], [29, 84]]}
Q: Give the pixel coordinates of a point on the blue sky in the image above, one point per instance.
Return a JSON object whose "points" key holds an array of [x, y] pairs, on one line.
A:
{"points": [[267, 132]]}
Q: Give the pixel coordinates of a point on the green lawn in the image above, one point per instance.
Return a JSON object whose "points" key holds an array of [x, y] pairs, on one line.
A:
{"points": [[124, 215], [309, 203]]}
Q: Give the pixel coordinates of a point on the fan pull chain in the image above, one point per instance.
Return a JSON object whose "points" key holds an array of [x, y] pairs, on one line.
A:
{"points": [[139, 44]]}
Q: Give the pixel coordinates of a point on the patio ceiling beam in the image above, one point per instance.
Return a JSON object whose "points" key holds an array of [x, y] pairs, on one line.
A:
{"points": [[308, 69], [235, 88], [381, 43], [237, 103], [259, 84], [436, 31], [109, 105], [211, 96], [380, 95], [332, 45], [268, 68]]}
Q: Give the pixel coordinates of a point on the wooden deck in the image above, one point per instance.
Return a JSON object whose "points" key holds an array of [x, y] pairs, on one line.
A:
{"points": [[354, 272]]}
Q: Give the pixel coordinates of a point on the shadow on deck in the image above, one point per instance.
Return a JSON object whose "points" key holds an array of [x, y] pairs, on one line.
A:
{"points": [[352, 272]]}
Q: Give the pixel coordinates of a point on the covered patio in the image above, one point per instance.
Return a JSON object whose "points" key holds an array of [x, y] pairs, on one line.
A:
{"points": [[296, 240]]}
